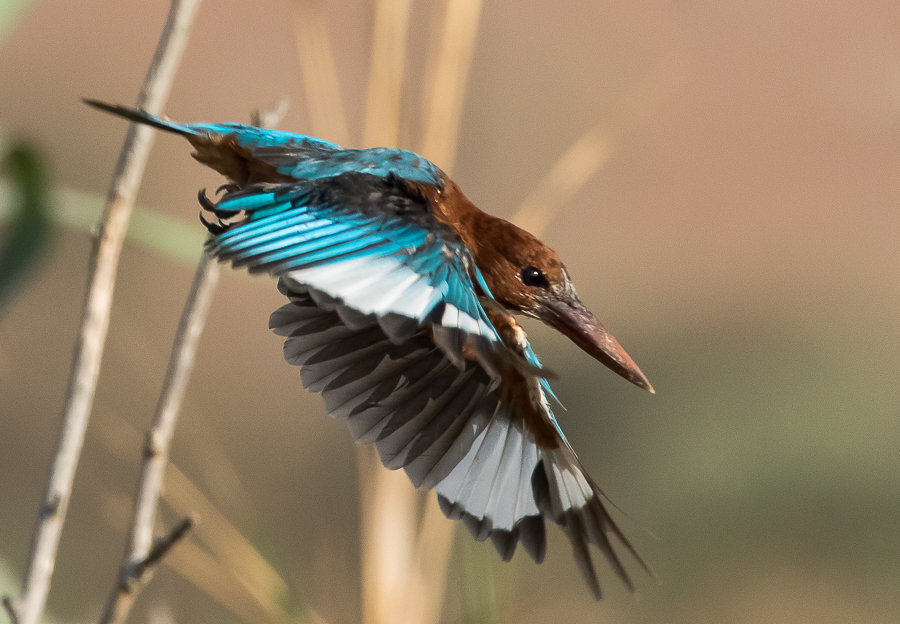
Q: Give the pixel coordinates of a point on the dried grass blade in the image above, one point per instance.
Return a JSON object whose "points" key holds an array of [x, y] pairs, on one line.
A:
{"points": [[449, 61], [320, 77], [590, 153]]}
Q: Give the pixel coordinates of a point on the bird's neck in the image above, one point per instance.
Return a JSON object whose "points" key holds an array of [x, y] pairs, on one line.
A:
{"points": [[455, 209], [483, 234]]}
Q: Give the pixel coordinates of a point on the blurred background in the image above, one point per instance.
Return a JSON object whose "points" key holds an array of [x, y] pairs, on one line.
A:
{"points": [[723, 189]]}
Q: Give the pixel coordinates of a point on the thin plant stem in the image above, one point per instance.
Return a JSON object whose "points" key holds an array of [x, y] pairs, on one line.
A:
{"points": [[320, 79], [134, 569], [387, 526], [590, 152], [95, 316], [388, 503], [141, 556], [389, 35], [450, 58], [425, 594]]}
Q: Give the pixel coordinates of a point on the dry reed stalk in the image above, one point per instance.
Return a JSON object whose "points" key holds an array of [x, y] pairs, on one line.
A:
{"points": [[450, 59], [392, 573], [387, 502], [590, 153], [95, 316], [389, 35], [232, 572], [132, 573], [388, 505], [320, 81], [428, 578], [448, 73]]}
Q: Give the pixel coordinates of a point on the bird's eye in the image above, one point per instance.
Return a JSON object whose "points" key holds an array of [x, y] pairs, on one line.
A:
{"points": [[533, 276]]}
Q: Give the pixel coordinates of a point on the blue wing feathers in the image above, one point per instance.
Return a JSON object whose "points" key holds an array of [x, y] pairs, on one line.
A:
{"points": [[302, 263], [257, 231], [262, 239], [427, 262], [404, 234], [295, 155], [250, 201], [299, 240], [345, 244], [318, 232]]}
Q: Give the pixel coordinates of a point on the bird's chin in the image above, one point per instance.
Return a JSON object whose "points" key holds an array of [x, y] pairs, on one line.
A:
{"points": [[582, 327]]}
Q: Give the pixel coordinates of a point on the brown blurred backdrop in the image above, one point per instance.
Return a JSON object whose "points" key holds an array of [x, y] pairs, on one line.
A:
{"points": [[741, 242]]}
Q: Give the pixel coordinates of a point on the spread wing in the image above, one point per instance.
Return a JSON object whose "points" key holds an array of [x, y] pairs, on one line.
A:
{"points": [[355, 226], [456, 430], [368, 248]]}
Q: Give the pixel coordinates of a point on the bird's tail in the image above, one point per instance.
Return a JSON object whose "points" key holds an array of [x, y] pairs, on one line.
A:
{"points": [[567, 495], [143, 117]]}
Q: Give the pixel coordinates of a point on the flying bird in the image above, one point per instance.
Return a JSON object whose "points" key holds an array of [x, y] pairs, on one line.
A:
{"points": [[402, 298]]}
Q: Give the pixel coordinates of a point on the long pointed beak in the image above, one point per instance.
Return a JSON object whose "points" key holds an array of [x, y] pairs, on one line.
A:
{"points": [[575, 321]]}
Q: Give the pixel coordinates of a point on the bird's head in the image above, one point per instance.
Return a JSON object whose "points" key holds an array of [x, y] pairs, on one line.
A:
{"points": [[527, 276]]}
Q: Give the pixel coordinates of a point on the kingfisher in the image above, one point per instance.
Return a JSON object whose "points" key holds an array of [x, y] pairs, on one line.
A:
{"points": [[402, 297]]}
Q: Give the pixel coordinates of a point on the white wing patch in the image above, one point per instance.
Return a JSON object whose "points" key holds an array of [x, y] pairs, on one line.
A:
{"points": [[568, 487], [383, 286], [493, 480], [454, 317]]}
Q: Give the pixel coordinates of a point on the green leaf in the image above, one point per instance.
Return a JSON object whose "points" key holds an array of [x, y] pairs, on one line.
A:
{"points": [[177, 239], [29, 227], [10, 11]]}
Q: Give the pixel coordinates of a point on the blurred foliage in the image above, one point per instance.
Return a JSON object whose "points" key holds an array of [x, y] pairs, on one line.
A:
{"points": [[480, 601], [29, 225], [176, 239], [10, 10], [32, 207]]}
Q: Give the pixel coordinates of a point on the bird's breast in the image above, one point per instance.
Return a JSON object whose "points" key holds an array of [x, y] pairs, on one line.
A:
{"points": [[519, 386]]}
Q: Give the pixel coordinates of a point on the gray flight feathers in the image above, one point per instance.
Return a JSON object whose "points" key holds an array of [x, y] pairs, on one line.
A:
{"points": [[449, 429]]}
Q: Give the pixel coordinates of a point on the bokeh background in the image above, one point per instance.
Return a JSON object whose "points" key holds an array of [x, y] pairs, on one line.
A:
{"points": [[741, 241]]}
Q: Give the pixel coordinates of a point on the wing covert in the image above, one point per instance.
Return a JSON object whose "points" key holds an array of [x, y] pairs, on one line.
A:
{"points": [[303, 157], [366, 248]]}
